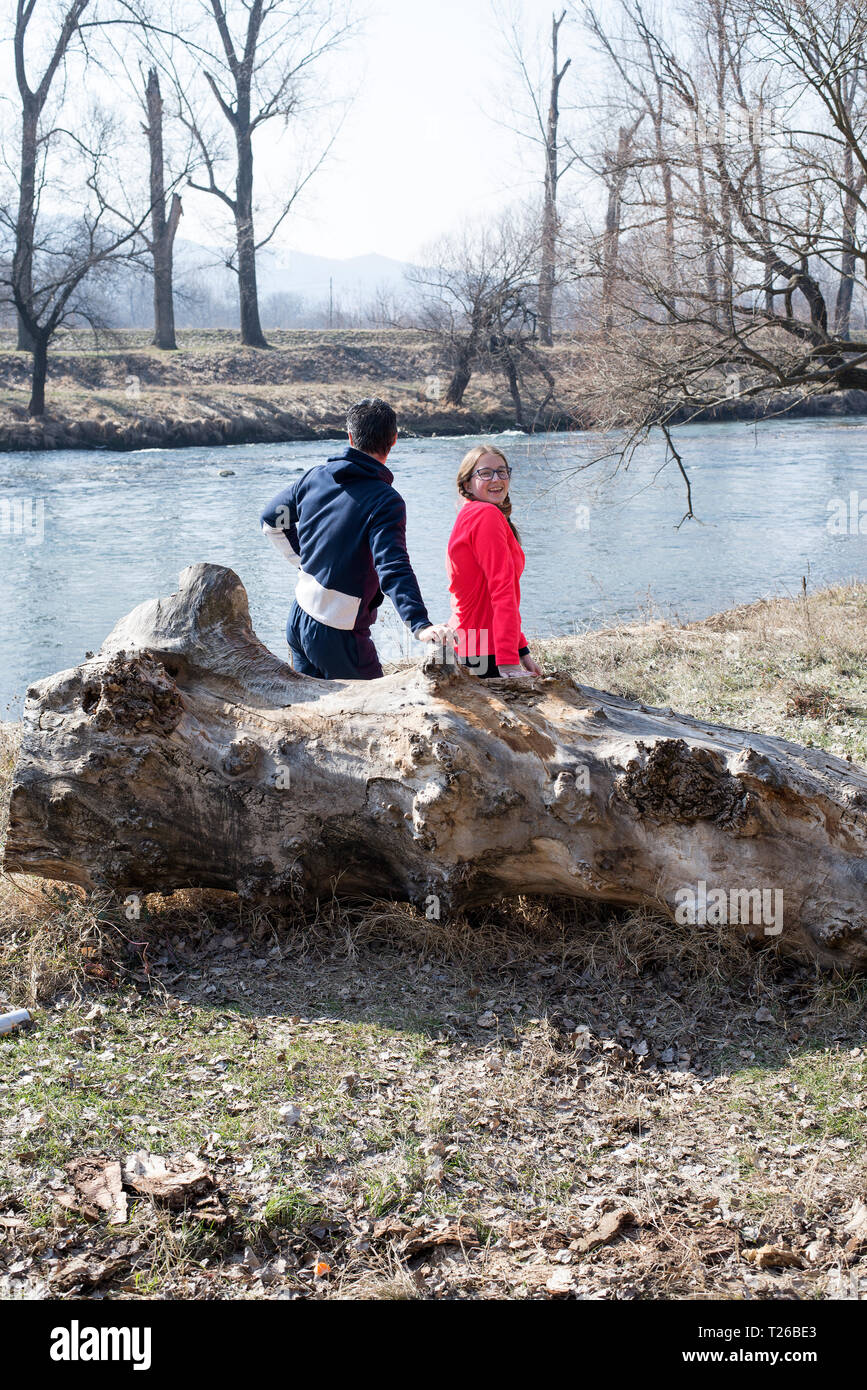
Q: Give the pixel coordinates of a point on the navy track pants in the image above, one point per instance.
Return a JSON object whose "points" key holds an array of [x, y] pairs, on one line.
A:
{"points": [[330, 653]]}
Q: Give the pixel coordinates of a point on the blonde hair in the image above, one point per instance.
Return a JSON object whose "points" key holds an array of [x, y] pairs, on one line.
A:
{"points": [[469, 463]]}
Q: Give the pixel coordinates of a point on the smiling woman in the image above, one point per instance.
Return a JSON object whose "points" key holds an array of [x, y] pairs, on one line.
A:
{"points": [[485, 563]]}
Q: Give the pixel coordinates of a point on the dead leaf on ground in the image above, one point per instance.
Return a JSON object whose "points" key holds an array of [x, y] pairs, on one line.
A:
{"points": [[773, 1257], [856, 1226], [562, 1281], [609, 1227], [99, 1184], [413, 1240], [151, 1176], [83, 1272]]}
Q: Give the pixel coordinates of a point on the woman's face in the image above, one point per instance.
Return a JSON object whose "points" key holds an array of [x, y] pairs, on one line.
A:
{"points": [[489, 490]]}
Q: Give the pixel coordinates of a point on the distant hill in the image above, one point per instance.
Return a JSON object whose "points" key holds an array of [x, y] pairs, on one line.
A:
{"points": [[294, 272], [296, 290]]}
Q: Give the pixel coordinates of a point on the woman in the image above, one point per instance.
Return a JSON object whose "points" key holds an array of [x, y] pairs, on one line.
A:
{"points": [[485, 562]]}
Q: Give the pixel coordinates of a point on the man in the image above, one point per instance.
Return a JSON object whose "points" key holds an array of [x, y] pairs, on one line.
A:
{"points": [[344, 526]]}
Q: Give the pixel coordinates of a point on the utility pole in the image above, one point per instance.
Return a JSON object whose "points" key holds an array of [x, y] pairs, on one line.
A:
{"points": [[330, 302]]}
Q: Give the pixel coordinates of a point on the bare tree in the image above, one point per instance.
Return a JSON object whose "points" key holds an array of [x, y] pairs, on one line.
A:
{"points": [[477, 293], [164, 219], [763, 256], [142, 40], [589, 257], [60, 237], [34, 93], [75, 244], [633, 53], [614, 174], [259, 73], [539, 122], [553, 174]]}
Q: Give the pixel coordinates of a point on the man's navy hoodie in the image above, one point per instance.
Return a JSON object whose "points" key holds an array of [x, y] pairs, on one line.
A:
{"points": [[344, 525]]}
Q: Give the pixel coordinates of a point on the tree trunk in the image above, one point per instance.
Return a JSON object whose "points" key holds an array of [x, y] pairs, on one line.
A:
{"points": [[163, 228], [851, 199], [668, 196], [510, 371], [726, 220], [186, 754], [251, 327], [36, 407], [548, 269], [164, 300], [22, 261], [461, 376], [707, 234], [615, 180]]}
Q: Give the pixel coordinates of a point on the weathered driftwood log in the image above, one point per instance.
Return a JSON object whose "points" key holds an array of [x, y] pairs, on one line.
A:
{"points": [[186, 754]]}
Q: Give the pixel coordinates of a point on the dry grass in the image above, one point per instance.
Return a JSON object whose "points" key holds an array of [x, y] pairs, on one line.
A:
{"points": [[796, 668]]}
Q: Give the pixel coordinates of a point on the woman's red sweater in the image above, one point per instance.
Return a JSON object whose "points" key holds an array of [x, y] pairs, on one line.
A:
{"points": [[485, 563]]}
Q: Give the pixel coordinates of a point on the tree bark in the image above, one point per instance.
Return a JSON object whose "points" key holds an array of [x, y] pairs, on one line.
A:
{"points": [[163, 227], [22, 261], [461, 375], [503, 357], [248, 293], [550, 226], [186, 754], [846, 284], [36, 407], [615, 179]]}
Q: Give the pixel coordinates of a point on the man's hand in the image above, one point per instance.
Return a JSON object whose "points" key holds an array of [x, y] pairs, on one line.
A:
{"points": [[513, 672], [437, 632], [530, 665]]}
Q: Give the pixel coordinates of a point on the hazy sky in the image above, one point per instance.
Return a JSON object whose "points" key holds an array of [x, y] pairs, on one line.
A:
{"points": [[418, 152]]}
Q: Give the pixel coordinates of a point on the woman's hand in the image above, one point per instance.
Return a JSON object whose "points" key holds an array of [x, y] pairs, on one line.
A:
{"points": [[530, 665], [513, 672]]}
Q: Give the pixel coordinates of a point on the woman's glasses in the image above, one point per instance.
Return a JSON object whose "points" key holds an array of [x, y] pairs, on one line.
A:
{"points": [[486, 474]]}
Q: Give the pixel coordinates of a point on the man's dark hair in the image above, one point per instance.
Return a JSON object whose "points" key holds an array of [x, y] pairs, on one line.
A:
{"points": [[373, 425]]}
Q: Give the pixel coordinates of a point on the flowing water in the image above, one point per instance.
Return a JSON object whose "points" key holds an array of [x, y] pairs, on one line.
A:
{"points": [[87, 535]]}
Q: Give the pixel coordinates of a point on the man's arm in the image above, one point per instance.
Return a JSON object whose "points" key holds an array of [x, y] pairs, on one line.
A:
{"points": [[279, 522], [387, 536]]}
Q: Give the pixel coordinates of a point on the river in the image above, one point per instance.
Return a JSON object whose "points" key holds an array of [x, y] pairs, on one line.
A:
{"points": [[87, 535]]}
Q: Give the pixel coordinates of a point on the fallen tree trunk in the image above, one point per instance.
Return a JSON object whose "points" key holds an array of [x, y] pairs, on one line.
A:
{"points": [[186, 754]]}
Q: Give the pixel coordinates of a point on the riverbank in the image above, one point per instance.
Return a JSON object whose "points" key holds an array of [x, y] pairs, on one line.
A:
{"points": [[127, 395], [214, 392], [542, 1102]]}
